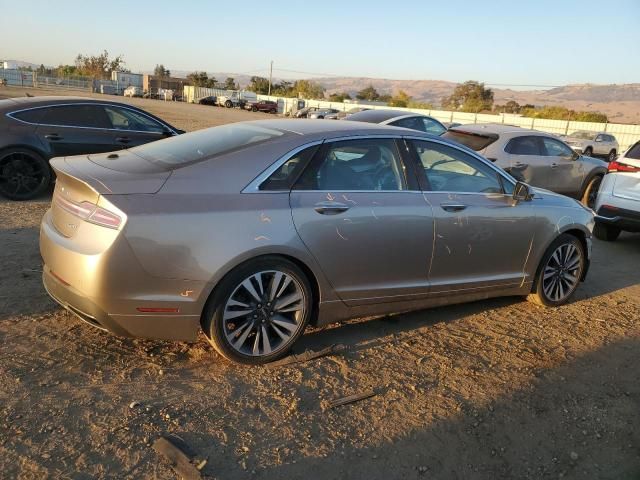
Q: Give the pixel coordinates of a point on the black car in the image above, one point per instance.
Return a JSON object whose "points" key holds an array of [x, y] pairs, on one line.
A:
{"points": [[400, 118], [211, 100], [34, 130]]}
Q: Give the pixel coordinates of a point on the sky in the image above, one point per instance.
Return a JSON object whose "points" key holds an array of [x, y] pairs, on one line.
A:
{"points": [[515, 42]]}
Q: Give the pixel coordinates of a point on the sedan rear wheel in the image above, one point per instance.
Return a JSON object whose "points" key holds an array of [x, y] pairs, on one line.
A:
{"points": [[259, 311], [560, 272], [23, 174], [590, 193], [612, 155]]}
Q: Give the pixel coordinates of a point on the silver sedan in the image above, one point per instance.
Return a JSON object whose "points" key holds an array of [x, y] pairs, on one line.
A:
{"points": [[254, 230]]}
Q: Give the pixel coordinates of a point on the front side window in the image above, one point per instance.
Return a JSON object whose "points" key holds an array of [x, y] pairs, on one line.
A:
{"points": [[524, 146], [355, 165], [555, 148], [451, 170], [125, 119], [92, 116]]}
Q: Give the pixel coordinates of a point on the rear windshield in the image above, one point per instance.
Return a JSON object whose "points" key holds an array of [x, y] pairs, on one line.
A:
{"points": [[475, 141], [634, 152], [203, 144]]}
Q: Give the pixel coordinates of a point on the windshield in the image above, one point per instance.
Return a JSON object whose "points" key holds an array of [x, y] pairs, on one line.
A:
{"points": [[204, 144], [475, 141], [583, 134]]}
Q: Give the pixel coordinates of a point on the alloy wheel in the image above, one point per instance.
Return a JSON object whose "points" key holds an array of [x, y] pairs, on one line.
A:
{"points": [[562, 272], [20, 174], [264, 313]]}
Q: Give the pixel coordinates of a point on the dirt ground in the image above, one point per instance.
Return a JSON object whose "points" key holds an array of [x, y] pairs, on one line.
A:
{"points": [[498, 389]]}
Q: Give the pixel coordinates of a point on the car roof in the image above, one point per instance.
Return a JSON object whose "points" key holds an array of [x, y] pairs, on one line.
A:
{"points": [[377, 116], [33, 102], [309, 126], [495, 128]]}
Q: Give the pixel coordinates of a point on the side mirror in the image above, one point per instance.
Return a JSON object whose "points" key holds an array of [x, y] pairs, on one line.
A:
{"points": [[521, 192], [575, 156]]}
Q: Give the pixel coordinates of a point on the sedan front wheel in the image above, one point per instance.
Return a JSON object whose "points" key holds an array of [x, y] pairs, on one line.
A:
{"points": [[559, 273], [259, 311]]}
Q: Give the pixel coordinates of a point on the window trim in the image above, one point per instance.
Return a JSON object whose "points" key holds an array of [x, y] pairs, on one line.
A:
{"points": [[502, 176], [98, 104]]}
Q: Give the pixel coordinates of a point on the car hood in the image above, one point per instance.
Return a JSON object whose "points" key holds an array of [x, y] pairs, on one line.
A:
{"points": [[594, 162], [554, 199], [574, 140]]}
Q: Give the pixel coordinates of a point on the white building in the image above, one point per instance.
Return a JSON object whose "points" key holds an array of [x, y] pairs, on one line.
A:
{"points": [[124, 80], [8, 65]]}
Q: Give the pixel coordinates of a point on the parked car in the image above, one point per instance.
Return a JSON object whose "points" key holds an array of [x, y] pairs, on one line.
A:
{"points": [[304, 112], [345, 114], [322, 112], [401, 118], [262, 106], [593, 144], [618, 202], [237, 99], [537, 158], [210, 100], [302, 216], [132, 91], [39, 128], [108, 90]]}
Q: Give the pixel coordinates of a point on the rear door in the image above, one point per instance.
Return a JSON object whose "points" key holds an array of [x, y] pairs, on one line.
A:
{"points": [[482, 236], [132, 128], [526, 160], [567, 172], [75, 129], [365, 220]]}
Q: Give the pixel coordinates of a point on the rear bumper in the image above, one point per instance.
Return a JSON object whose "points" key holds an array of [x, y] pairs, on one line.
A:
{"points": [[621, 218]]}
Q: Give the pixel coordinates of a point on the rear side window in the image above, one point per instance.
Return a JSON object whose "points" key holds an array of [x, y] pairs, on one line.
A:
{"points": [[204, 144], [475, 141], [285, 176], [421, 124], [92, 116], [524, 146], [29, 116], [634, 152]]}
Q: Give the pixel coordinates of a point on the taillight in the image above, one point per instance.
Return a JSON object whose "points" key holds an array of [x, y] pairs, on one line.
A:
{"points": [[622, 167], [88, 212]]}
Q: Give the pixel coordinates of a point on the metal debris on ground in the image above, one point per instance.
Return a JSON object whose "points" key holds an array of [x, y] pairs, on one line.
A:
{"points": [[308, 355], [351, 399], [180, 461]]}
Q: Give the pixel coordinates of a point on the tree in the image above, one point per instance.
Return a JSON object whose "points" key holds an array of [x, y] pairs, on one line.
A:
{"points": [[562, 113], [98, 66], [400, 99], [307, 89], [201, 79], [339, 97], [161, 72], [66, 70], [259, 85], [471, 96], [368, 93], [230, 84], [283, 89], [510, 107]]}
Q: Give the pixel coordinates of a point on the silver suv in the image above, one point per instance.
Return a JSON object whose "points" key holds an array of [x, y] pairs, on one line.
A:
{"points": [[598, 144], [537, 158]]}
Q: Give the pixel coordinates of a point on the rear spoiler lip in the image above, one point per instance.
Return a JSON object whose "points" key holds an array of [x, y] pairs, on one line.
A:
{"points": [[66, 167]]}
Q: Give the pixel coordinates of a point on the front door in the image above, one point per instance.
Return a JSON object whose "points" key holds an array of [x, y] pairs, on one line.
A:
{"points": [[567, 171], [482, 236], [356, 212], [75, 129]]}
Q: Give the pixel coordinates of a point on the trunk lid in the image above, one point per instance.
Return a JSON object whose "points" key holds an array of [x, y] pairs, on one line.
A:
{"points": [[627, 184], [80, 183]]}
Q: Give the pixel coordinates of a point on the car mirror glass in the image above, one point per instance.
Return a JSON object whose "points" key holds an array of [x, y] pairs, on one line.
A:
{"points": [[521, 192]]}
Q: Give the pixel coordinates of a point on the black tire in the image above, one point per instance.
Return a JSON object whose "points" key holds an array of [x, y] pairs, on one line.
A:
{"points": [[590, 192], [606, 232], [254, 109], [538, 293], [273, 111], [588, 152], [228, 104], [214, 324], [612, 155], [24, 174]]}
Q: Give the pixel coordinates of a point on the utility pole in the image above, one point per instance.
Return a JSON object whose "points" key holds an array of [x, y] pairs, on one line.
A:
{"points": [[270, 76]]}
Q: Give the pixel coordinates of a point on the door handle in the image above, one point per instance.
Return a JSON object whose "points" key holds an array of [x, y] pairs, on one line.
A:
{"points": [[123, 139], [330, 208], [53, 136], [452, 207]]}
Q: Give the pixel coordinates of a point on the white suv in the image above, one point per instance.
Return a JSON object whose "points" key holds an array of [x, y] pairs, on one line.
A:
{"points": [[132, 91], [618, 202]]}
